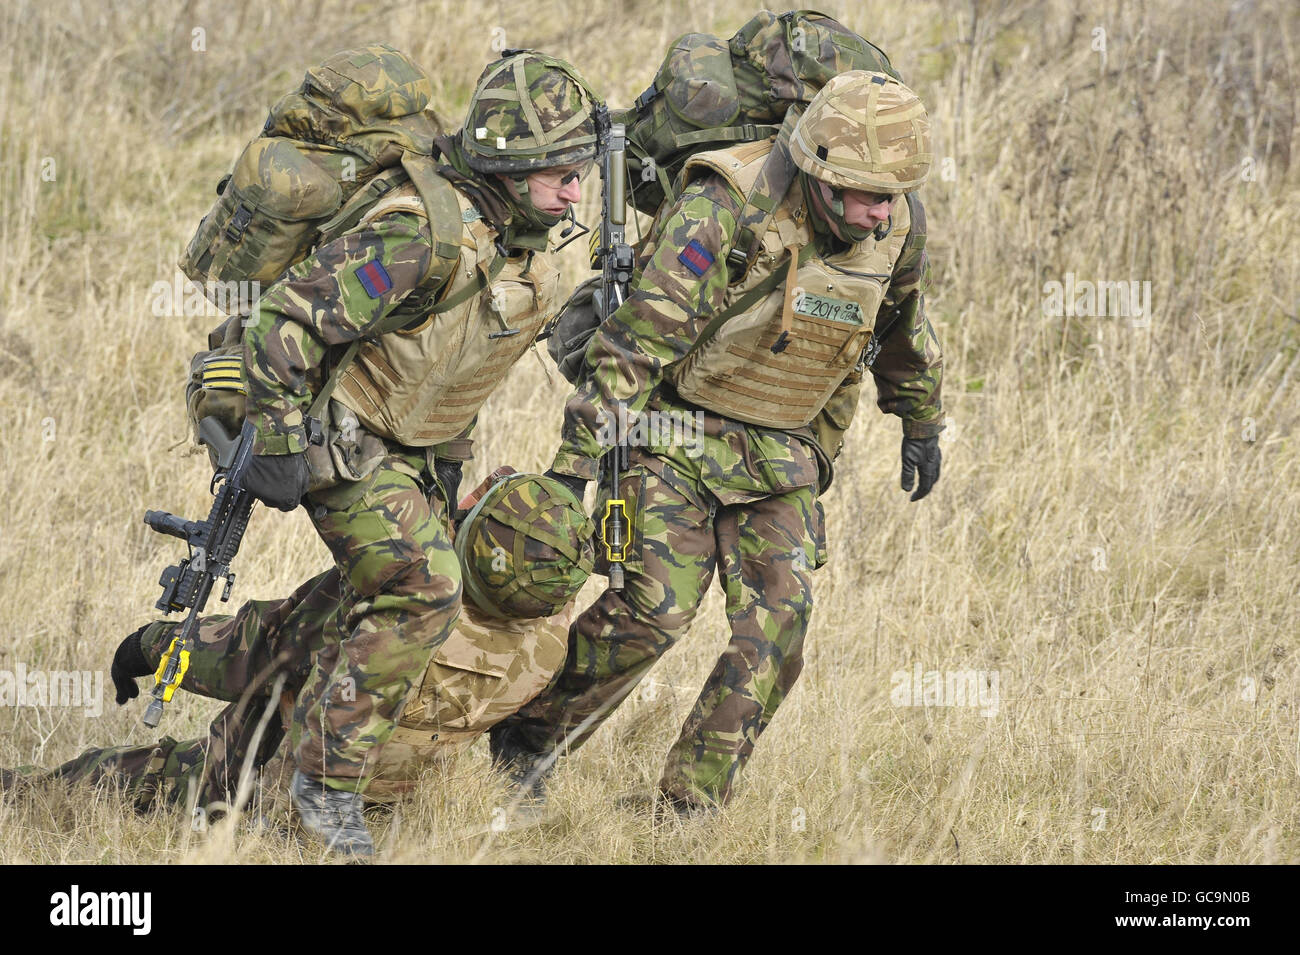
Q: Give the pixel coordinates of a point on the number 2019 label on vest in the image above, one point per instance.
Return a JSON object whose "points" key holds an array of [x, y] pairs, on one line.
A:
{"points": [[830, 309]]}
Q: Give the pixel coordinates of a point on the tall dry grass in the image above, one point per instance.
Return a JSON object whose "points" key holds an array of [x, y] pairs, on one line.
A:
{"points": [[1107, 537]]}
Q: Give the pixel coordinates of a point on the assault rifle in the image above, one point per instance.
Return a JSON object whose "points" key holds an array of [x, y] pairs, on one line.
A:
{"points": [[614, 259], [213, 543]]}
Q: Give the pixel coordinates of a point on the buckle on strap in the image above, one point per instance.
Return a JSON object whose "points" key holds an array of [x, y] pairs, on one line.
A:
{"points": [[647, 97], [239, 222]]}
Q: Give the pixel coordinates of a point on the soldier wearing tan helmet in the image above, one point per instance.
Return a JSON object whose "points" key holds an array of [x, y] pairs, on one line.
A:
{"points": [[785, 270], [446, 279]]}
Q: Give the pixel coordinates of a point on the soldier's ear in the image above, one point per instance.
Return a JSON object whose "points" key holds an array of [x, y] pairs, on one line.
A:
{"points": [[518, 185]]}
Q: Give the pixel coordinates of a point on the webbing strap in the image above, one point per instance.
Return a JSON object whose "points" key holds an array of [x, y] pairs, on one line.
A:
{"points": [[749, 132], [327, 389], [748, 300]]}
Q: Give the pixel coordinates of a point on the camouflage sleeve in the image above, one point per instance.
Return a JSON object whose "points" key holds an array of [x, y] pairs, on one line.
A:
{"points": [[342, 291], [684, 282], [909, 368]]}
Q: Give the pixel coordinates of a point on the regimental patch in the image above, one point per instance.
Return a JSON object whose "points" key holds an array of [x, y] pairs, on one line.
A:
{"points": [[374, 278], [696, 257]]}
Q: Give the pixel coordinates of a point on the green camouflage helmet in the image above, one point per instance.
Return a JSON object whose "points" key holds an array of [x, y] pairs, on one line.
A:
{"points": [[529, 111], [864, 131], [525, 548]]}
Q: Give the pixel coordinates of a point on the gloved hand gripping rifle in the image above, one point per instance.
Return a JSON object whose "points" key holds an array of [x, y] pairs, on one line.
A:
{"points": [[213, 543]]}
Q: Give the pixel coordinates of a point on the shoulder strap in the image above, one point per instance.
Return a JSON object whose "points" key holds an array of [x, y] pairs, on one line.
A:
{"points": [[750, 298], [439, 198], [774, 181], [359, 203]]}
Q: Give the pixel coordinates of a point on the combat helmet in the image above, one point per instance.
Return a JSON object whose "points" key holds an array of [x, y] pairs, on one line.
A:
{"points": [[864, 131], [525, 547], [529, 111]]}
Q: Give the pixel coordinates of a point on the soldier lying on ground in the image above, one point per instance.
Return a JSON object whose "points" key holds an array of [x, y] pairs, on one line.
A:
{"points": [[504, 649]]}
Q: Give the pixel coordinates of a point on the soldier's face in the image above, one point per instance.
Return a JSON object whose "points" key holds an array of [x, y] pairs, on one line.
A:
{"points": [[554, 190], [867, 209]]}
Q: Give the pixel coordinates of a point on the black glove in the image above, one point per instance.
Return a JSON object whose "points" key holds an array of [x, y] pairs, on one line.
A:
{"points": [[575, 484], [448, 474], [278, 480], [129, 663], [572, 328], [921, 453]]}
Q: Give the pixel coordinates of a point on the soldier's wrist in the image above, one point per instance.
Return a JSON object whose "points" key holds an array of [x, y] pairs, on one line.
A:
{"points": [[575, 465], [922, 429], [291, 442]]}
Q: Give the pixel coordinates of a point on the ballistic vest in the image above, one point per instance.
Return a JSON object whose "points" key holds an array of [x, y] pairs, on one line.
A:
{"points": [[750, 368], [422, 384]]}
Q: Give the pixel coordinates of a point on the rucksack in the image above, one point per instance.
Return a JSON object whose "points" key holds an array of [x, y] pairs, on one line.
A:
{"points": [[327, 151], [353, 131], [710, 93]]}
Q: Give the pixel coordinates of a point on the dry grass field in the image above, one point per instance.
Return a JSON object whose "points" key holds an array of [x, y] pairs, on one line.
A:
{"points": [[1114, 545]]}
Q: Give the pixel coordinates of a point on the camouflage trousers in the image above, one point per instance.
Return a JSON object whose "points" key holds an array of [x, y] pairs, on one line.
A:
{"points": [[764, 551], [350, 643], [401, 597], [238, 659]]}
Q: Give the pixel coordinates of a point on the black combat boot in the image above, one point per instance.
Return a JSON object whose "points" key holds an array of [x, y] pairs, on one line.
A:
{"points": [[527, 768], [332, 814]]}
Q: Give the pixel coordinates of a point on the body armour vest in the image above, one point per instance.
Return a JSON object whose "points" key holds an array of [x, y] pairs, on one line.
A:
{"points": [[424, 383], [752, 368]]}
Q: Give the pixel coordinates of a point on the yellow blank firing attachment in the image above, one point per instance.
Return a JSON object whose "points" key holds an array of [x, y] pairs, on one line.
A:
{"points": [[617, 530], [170, 688]]}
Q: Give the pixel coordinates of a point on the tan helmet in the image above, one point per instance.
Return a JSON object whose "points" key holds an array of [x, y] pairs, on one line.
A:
{"points": [[864, 131]]}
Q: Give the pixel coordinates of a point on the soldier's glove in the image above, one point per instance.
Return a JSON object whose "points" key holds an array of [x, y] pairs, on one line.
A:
{"points": [[129, 663], [448, 474], [278, 480], [575, 484], [922, 454], [570, 332]]}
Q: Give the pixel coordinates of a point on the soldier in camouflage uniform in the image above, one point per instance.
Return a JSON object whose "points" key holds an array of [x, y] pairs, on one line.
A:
{"points": [[402, 409], [507, 645], [778, 384]]}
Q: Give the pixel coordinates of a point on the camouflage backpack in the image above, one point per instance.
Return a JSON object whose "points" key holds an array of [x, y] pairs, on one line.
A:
{"points": [[525, 547], [710, 93], [354, 130], [316, 167]]}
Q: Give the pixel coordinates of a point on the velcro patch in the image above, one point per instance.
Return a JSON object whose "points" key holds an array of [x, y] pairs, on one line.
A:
{"points": [[696, 257], [374, 278]]}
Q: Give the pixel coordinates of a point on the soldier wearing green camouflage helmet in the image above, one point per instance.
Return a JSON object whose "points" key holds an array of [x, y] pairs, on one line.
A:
{"points": [[783, 272], [490, 664], [525, 548], [458, 254]]}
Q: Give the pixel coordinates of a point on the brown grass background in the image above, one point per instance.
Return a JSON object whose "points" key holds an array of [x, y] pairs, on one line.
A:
{"points": [[1106, 535]]}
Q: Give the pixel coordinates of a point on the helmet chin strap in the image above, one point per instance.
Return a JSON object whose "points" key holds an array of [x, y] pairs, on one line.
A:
{"points": [[836, 201], [832, 203], [522, 199]]}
